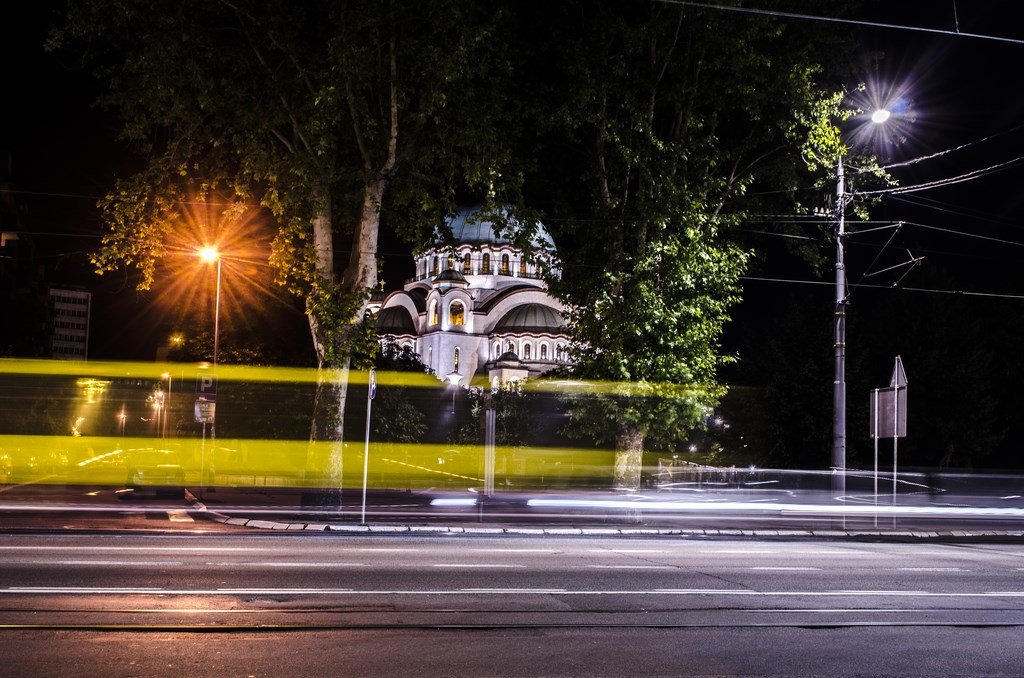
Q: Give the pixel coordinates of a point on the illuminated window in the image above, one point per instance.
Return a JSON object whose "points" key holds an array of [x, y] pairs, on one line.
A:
{"points": [[496, 350], [455, 360], [430, 357], [522, 266], [437, 265], [543, 351], [451, 262], [485, 266], [526, 352], [504, 264], [433, 313], [456, 314], [560, 353], [467, 266], [510, 347]]}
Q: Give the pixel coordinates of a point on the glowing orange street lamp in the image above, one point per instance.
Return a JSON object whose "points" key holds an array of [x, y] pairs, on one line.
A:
{"points": [[209, 254]]}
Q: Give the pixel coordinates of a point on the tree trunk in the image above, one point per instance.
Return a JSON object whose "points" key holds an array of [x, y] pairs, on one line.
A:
{"points": [[361, 272], [629, 456]]}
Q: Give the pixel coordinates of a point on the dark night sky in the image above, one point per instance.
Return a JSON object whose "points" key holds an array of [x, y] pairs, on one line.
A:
{"points": [[65, 155]]}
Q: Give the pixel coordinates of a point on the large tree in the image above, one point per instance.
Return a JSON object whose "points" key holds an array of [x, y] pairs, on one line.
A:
{"points": [[661, 116], [329, 114]]}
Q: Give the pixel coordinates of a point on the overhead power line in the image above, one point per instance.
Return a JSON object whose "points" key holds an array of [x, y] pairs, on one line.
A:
{"points": [[931, 290], [837, 20], [949, 181]]}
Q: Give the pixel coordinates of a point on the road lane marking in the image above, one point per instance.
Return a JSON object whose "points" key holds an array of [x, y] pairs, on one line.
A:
{"points": [[633, 567], [122, 549], [931, 569], [627, 551], [514, 550], [83, 590], [788, 569], [385, 550], [477, 565]]}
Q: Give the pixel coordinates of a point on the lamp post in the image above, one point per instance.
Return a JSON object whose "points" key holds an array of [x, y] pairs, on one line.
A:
{"points": [[839, 326], [209, 254], [167, 403], [122, 416], [454, 378]]}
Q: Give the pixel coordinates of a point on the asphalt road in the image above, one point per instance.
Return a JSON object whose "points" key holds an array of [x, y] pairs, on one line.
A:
{"points": [[320, 604]]}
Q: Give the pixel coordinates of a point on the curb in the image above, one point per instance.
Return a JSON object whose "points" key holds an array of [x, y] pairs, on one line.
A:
{"points": [[200, 510]]}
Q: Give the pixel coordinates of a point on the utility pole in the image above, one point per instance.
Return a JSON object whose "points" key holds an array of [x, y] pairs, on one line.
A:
{"points": [[839, 384]]}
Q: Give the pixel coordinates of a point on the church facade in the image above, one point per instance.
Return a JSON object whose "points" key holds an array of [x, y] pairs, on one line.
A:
{"points": [[478, 309]]}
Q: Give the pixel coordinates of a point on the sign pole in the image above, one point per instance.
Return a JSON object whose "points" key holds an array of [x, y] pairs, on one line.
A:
{"points": [[370, 393], [875, 413], [895, 438]]}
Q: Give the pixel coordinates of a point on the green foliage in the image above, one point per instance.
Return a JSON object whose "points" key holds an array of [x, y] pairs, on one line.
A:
{"points": [[664, 116]]}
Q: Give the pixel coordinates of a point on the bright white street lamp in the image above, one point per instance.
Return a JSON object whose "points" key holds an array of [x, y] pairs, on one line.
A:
{"points": [[880, 116]]}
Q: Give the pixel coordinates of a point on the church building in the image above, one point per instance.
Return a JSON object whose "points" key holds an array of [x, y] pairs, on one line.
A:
{"points": [[478, 310]]}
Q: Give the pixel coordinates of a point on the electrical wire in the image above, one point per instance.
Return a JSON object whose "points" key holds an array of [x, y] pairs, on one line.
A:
{"points": [[939, 183], [837, 20], [965, 293]]}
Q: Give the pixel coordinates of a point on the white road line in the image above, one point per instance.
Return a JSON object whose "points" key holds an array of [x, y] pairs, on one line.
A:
{"points": [[931, 569], [788, 569], [514, 550], [55, 590], [123, 549], [738, 552], [477, 565], [627, 551], [385, 550], [633, 567]]}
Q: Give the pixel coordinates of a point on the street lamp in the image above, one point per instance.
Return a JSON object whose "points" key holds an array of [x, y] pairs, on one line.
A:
{"points": [[209, 254], [122, 417], [839, 326], [454, 378]]}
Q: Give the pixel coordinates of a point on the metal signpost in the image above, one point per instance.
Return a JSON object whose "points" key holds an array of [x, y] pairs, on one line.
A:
{"points": [[889, 418], [206, 413], [370, 393]]}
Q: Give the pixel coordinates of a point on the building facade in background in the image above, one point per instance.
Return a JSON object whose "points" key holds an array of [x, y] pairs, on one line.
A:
{"points": [[69, 323], [478, 308]]}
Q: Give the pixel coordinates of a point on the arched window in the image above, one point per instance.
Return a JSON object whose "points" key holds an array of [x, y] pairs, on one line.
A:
{"points": [[485, 266], [430, 357], [451, 262], [495, 384], [496, 350], [522, 266], [510, 347], [434, 320], [455, 359], [467, 266], [544, 352], [456, 314], [504, 264], [560, 353], [527, 350], [437, 265]]}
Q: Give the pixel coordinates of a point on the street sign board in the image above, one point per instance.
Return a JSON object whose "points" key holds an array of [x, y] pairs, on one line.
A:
{"points": [[899, 375], [889, 410], [206, 411], [206, 387], [373, 384]]}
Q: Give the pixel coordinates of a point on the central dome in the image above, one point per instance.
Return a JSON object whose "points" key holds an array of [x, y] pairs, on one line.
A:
{"points": [[473, 226], [531, 318]]}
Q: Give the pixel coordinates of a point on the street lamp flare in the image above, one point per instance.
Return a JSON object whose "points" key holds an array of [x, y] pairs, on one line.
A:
{"points": [[880, 116], [209, 254]]}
